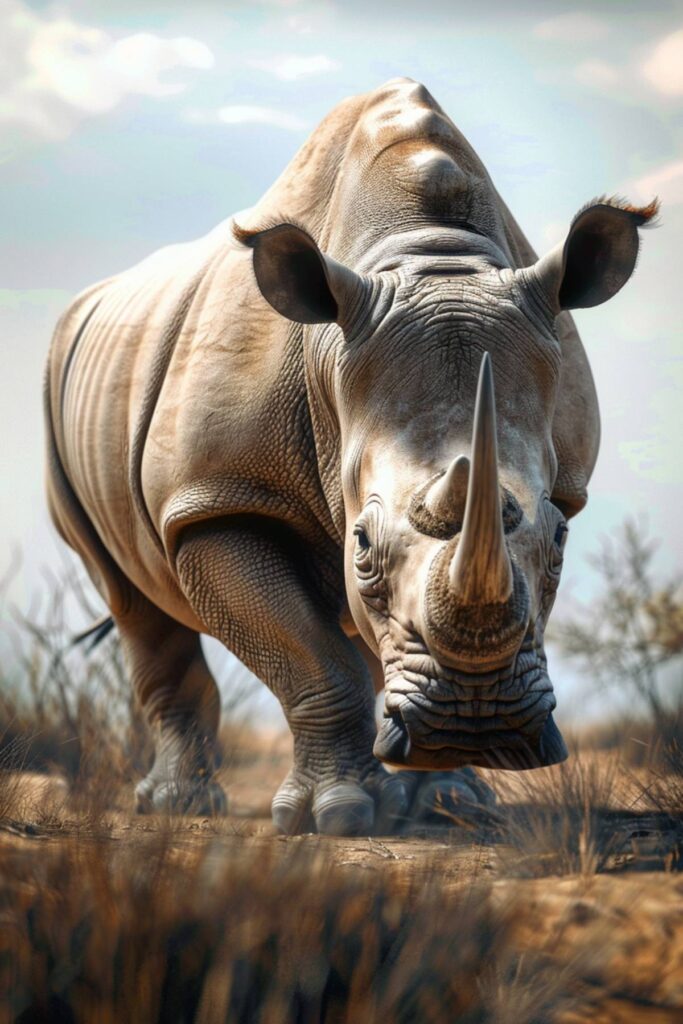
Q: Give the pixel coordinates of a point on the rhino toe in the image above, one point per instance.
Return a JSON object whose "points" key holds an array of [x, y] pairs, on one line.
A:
{"points": [[392, 803], [442, 796], [291, 807], [344, 809], [204, 800]]}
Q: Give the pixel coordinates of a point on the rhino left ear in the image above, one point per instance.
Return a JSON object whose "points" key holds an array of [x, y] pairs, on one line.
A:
{"points": [[597, 258], [297, 279]]}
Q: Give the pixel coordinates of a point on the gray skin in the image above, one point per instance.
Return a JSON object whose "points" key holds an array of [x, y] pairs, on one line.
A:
{"points": [[350, 459]]}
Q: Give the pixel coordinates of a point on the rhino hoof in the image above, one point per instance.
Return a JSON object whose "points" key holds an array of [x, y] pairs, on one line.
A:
{"points": [[444, 796], [393, 804], [206, 801], [341, 808], [344, 809], [290, 808]]}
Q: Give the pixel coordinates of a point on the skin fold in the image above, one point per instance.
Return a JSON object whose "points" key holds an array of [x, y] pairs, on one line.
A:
{"points": [[343, 433]]}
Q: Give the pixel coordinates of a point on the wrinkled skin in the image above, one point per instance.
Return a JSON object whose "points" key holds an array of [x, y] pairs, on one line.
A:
{"points": [[288, 435]]}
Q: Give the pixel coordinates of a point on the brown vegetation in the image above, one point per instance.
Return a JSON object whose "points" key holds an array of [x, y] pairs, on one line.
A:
{"points": [[563, 903], [632, 628], [545, 911]]}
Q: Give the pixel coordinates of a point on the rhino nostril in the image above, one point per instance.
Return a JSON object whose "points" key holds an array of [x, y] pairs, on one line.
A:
{"points": [[551, 746], [393, 741]]}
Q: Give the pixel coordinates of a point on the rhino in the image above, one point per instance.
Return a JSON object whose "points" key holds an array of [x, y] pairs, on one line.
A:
{"points": [[343, 433]]}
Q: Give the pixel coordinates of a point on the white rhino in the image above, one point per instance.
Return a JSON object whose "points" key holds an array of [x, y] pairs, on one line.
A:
{"points": [[285, 435]]}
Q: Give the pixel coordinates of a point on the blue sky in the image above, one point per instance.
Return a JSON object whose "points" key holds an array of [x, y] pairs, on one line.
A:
{"points": [[126, 126]]}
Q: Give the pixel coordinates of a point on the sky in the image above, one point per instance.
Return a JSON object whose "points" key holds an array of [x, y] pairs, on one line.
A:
{"points": [[127, 126]]}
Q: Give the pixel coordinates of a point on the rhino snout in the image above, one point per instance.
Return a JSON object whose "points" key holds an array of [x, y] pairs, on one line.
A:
{"points": [[436, 717]]}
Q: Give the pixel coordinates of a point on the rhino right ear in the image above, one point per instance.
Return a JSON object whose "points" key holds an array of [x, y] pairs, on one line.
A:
{"points": [[598, 256], [297, 279]]}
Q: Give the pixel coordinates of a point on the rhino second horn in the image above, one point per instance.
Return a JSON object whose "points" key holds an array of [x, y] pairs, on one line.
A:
{"points": [[447, 495], [481, 572]]}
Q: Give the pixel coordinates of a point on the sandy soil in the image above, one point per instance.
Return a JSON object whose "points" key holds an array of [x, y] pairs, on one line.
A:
{"points": [[628, 918]]}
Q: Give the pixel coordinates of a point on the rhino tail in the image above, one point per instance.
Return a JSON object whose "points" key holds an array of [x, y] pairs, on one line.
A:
{"points": [[95, 633]]}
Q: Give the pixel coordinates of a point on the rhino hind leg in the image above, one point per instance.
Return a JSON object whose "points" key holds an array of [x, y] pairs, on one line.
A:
{"points": [[181, 705], [164, 659], [250, 588]]}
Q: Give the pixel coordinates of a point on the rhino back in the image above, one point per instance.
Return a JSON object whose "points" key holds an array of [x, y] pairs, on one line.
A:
{"points": [[378, 163]]}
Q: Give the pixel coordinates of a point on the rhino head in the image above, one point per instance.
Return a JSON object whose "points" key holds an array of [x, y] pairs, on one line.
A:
{"points": [[439, 370]]}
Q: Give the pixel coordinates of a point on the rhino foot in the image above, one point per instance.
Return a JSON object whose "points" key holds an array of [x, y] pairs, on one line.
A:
{"points": [[441, 797], [342, 807], [198, 799]]}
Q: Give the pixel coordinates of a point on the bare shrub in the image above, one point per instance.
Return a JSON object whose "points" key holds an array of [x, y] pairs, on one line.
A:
{"points": [[71, 711], [632, 629]]}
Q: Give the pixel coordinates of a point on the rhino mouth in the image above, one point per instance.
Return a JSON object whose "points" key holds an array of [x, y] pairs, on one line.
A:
{"points": [[436, 717]]}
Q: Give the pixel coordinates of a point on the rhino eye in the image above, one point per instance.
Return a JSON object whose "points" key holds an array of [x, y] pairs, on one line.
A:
{"points": [[556, 531], [362, 539], [560, 538], [367, 557], [557, 549]]}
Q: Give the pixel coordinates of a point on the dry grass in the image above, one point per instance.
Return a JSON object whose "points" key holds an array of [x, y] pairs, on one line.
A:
{"points": [[558, 821], [559, 906], [169, 920], [102, 932]]}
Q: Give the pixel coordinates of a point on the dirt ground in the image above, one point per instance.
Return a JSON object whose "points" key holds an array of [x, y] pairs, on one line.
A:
{"points": [[620, 915]]}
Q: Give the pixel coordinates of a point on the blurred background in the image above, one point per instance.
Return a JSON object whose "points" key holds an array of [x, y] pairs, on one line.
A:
{"points": [[129, 126]]}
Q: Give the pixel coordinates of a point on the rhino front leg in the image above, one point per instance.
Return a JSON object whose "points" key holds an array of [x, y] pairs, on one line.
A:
{"points": [[181, 704], [251, 590]]}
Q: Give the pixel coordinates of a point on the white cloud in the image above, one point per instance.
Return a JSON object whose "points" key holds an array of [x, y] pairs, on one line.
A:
{"points": [[597, 74], [664, 67], [247, 114], [289, 66], [244, 114], [300, 23], [572, 27], [665, 181], [55, 71]]}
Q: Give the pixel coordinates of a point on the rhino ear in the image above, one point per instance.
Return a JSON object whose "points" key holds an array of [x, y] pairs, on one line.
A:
{"points": [[297, 279], [598, 256]]}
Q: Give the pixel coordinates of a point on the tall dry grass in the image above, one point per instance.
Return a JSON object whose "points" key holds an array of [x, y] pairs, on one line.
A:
{"points": [[69, 710], [107, 932], [102, 919], [559, 821], [64, 708]]}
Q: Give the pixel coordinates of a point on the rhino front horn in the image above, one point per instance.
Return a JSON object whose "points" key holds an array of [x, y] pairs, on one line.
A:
{"points": [[481, 572]]}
